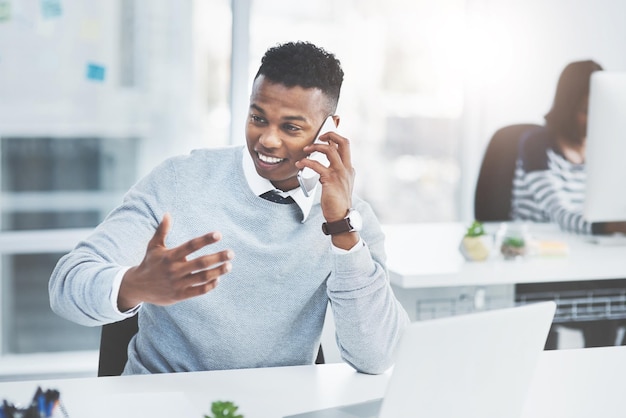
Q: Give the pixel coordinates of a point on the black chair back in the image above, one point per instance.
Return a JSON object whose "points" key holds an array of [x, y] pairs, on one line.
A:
{"points": [[492, 198], [114, 340]]}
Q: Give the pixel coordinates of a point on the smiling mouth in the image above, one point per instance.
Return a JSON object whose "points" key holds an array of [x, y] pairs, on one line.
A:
{"points": [[269, 160]]}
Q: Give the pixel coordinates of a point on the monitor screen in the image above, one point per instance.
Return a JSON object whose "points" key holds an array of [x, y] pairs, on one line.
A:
{"points": [[605, 199]]}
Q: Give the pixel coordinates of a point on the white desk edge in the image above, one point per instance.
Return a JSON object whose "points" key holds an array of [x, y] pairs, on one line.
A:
{"points": [[567, 383], [426, 255]]}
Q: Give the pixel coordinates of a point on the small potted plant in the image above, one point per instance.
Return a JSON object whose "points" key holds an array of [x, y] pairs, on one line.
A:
{"points": [[224, 409], [476, 244], [514, 240]]}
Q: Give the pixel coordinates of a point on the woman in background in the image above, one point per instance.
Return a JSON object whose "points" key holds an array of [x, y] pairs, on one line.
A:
{"points": [[550, 177], [549, 184]]}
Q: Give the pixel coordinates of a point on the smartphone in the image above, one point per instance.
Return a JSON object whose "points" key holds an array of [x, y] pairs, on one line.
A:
{"points": [[307, 177]]}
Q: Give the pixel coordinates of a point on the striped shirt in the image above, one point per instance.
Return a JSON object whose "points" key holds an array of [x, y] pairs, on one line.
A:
{"points": [[547, 187]]}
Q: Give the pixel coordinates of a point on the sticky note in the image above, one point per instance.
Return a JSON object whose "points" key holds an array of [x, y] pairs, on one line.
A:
{"points": [[551, 248], [51, 8], [95, 72], [89, 30], [5, 10]]}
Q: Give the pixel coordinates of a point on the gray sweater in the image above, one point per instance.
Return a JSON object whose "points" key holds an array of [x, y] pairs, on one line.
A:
{"points": [[269, 310]]}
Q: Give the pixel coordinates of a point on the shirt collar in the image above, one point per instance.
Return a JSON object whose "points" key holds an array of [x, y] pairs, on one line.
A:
{"points": [[260, 185]]}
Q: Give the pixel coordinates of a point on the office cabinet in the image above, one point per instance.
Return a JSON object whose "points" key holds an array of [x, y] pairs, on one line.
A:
{"points": [[439, 302]]}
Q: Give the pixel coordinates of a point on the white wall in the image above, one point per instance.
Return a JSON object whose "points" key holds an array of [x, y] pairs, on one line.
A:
{"points": [[43, 61], [44, 89], [515, 51], [524, 45]]}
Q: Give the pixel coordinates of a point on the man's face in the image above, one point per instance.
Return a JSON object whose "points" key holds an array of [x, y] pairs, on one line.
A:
{"points": [[282, 121]]}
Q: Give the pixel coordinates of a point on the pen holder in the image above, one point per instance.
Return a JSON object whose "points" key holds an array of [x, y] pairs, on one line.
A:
{"points": [[45, 404]]}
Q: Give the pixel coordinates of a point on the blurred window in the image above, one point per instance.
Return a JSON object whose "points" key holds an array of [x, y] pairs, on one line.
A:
{"points": [[402, 97]]}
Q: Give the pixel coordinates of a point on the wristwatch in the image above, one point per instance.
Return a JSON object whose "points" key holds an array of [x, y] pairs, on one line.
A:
{"points": [[351, 223]]}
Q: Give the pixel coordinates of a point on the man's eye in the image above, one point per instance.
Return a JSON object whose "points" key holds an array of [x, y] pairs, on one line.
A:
{"points": [[257, 119], [291, 128]]}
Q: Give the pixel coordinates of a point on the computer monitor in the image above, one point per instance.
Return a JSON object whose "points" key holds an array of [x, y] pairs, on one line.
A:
{"points": [[605, 199]]}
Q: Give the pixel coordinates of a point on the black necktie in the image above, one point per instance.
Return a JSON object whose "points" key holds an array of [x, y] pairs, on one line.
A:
{"points": [[272, 196]]}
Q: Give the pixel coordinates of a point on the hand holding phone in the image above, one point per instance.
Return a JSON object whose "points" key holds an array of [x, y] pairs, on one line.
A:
{"points": [[308, 177]]}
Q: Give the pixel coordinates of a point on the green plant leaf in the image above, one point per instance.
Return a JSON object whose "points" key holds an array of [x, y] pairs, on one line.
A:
{"points": [[224, 409], [514, 242], [476, 229]]}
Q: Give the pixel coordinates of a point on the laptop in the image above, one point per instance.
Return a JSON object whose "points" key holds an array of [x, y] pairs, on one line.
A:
{"points": [[475, 365]]}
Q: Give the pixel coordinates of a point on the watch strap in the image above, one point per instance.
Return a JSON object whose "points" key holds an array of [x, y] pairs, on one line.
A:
{"points": [[337, 227]]}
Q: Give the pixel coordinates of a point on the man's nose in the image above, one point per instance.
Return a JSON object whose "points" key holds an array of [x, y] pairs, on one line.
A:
{"points": [[270, 138]]}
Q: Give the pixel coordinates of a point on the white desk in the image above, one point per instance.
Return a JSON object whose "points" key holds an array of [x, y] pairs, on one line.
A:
{"points": [[431, 278], [568, 384], [262, 393], [427, 255], [578, 383]]}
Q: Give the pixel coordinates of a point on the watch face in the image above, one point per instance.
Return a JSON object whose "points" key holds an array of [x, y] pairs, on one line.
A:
{"points": [[356, 221]]}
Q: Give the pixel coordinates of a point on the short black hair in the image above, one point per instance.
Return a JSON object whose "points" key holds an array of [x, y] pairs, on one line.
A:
{"points": [[306, 65], [572, 88]]}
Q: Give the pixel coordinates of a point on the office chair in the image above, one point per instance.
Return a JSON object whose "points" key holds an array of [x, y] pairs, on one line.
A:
{"points": [[114, 339], [492, 198]]}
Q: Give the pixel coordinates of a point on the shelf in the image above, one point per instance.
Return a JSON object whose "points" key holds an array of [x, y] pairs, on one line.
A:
{"points": [[48, 365], [583, 305]]}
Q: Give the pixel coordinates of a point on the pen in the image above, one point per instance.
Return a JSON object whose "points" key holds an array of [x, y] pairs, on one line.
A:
{"points": [[52, 397], [7, 409], [41, 405]]}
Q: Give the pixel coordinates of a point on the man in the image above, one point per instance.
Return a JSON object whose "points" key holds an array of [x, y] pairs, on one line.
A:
{"points": [[269, 309]]}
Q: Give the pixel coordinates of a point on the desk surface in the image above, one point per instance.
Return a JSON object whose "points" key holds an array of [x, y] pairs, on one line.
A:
{"points": [[262, 393], [567, 383], [587, 382], [427, 255]]}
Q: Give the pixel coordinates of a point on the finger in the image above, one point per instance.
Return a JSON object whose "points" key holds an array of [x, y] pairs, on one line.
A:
{"points": [[195, 244], [201, 289], [313, 164], [329, 149], [158, 239], [337, 150], [202, 277], [343, 148], [205, 281], [206, 262]]}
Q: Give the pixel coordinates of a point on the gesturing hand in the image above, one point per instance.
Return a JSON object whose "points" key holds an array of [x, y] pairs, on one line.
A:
{"points": [[166, 276]]}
